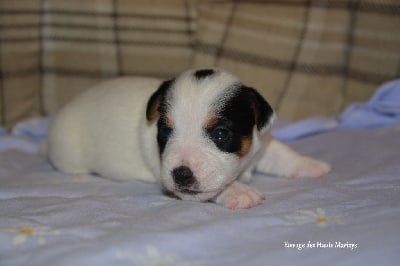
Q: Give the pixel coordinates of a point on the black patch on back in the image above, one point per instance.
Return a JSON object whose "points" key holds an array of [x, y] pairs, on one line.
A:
{"points": [[239, 114], [203, 73]]}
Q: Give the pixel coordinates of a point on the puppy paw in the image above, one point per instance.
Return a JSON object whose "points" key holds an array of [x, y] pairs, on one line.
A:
{"points": [[239, 196], [309, 167]]}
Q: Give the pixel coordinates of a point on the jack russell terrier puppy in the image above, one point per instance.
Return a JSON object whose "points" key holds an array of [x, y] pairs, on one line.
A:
{"points": [[199, 135]]}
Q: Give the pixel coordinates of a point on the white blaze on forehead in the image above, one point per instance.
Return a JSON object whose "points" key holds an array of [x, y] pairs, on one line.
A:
{"points": [[192, 98]]}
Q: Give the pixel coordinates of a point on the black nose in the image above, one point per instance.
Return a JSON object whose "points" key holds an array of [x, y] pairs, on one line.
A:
{"points": [[183, 176]]}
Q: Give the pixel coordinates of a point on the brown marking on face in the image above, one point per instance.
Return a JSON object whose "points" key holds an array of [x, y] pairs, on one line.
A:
{"points": [[246, 142], [211, 121], [168, 120]]}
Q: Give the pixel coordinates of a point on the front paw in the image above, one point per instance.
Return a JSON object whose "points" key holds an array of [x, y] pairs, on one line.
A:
{"points": [[309, 167], [239, 196]]}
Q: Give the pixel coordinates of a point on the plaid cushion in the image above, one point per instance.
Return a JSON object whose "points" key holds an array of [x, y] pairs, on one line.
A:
{"points": [[53, 49], [19, 46], [307, 57]]}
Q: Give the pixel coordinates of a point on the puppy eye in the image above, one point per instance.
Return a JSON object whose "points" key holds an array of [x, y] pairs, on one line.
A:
{"points": [[220, 134]]}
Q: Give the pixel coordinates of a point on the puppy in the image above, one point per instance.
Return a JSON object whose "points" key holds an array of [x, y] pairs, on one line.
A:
{"points": [[199, 135]]}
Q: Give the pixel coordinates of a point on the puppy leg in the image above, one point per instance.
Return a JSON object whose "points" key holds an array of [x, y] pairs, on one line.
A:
{"points": [[239, 196], [279, 159]]}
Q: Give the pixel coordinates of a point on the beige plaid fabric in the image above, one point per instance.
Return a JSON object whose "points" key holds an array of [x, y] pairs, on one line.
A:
{"points": [[53, 49], [306, 57]]}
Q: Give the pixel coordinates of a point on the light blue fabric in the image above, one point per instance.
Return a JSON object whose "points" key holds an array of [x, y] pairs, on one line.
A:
{"points": [[2, 131], [26, 136], [34, 128], [9, 142], [305, 128], [382, 110], [47, 218]]}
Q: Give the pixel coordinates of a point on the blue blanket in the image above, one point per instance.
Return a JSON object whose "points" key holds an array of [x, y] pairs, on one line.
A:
{"points": [[349, 217], [383, 109]]}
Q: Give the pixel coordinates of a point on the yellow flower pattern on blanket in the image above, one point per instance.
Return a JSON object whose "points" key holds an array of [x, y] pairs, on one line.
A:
{"points": [[318, 217], [152, 257], [23, 234]]}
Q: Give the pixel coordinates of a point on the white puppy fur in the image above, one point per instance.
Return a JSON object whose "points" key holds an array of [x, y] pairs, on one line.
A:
{"points": [[199, 135]]}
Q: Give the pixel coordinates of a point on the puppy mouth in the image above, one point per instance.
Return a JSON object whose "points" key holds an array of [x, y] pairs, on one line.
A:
{"points": [[189, 191], [190, 194]]}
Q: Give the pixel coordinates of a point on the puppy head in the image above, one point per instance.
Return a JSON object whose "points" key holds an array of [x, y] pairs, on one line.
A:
{"points": [[209, 125]]}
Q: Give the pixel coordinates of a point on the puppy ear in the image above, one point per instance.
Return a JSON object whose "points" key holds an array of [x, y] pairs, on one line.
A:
{"points": [[263, 112], [153, 105]]}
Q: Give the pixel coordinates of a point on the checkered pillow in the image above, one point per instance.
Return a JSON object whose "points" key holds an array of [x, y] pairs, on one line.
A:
{"points": [[52, 50], [307, 57]]}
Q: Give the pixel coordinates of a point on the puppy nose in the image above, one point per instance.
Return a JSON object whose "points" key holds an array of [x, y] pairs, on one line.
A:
{"points": [[183, 176]]}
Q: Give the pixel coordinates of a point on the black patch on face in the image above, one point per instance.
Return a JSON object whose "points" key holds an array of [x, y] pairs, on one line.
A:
{"points": [[203, 73], [237, 118], [163, 134], [164, 127]]}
